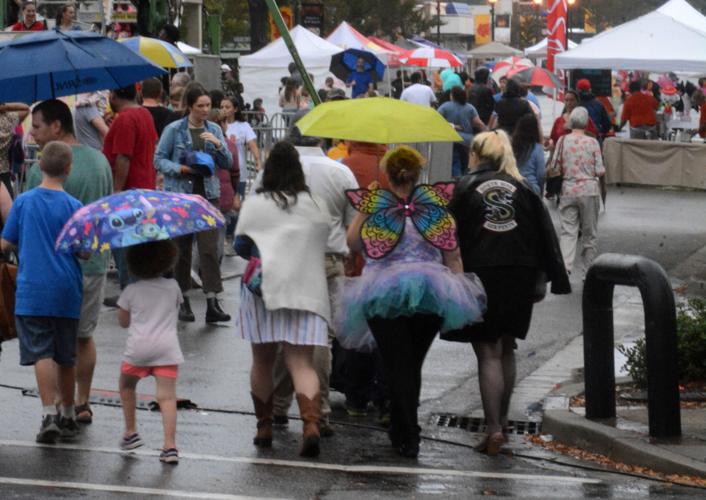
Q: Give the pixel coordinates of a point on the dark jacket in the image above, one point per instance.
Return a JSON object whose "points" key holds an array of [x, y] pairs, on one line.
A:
{"points": [[481, 96], [596, 111], [503, 222]]}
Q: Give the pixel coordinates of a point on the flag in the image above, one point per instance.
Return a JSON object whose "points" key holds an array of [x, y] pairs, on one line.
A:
{"points": [[556, 27]]}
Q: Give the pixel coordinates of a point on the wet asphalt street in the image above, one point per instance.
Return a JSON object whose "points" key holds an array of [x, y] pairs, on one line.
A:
{"points": [[219, 461]]}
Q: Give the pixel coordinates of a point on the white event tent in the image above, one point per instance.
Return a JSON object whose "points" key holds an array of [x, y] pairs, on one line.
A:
{"points": [[539, 50], [671, 38], [347, 37], [262, 71]]}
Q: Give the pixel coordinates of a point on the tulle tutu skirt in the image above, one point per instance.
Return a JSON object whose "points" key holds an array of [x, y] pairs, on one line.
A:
{"points": [[405, 289]]}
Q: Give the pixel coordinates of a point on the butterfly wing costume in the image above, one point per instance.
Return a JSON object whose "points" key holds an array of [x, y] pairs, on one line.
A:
{"points": [[403, 241]]}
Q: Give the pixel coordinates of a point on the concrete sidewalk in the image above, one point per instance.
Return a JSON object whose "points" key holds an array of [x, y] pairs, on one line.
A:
{"points": [[626, 438]]}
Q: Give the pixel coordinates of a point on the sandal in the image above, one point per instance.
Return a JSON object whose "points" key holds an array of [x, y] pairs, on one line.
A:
{"points": [[84, 414], [491, 444]]}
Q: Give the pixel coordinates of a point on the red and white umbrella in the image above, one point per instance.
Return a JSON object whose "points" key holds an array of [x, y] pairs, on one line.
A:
{"points": [[428, 57], [535, 77], [502, 68]]}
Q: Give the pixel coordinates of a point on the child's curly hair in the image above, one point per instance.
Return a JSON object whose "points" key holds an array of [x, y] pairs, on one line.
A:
{"points": [[403, 165], [151, 260]]}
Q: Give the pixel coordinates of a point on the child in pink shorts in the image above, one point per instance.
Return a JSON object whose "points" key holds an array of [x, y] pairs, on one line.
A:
{"points": [[149, 308]]}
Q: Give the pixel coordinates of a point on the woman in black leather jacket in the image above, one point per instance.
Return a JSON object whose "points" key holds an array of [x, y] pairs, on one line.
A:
{"points": [[508, 240]]}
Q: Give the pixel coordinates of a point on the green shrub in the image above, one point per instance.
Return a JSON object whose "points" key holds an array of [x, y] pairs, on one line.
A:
{"points": [[691, 346]]}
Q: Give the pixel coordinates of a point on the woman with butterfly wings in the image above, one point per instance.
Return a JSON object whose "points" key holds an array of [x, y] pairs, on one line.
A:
{"points": [[412, 286]]}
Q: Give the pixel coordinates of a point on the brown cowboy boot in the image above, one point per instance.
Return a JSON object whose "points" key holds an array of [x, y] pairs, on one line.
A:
{"points": [[263, 412], [310, 411]]}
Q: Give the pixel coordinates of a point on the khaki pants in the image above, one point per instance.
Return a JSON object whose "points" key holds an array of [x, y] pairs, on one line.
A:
{"points": [[284, 389], [207, 243], [579, 213]]}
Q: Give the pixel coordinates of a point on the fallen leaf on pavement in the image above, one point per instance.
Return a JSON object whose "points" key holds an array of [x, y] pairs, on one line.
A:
{"points": [[607, 462]]}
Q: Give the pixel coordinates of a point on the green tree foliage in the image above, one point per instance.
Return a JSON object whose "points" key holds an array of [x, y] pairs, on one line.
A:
{"points": [[606, 13], [378, 17]]}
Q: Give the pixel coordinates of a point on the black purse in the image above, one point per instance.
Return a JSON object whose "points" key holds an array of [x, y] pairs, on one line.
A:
{"points": [[555, 172]]}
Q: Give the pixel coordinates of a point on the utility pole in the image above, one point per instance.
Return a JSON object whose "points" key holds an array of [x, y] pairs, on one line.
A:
{"points": [[438, 22], [286, 37]]}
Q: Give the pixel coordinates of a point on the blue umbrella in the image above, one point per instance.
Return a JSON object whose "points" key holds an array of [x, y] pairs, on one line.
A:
{"points": [[50, 64], [344, 63]]}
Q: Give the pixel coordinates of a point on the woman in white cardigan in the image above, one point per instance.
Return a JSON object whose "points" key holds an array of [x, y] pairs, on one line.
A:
{"points": [[287, 229]]}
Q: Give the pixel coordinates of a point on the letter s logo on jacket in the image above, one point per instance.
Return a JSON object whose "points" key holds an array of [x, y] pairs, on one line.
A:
{"points": [[499, 210]]}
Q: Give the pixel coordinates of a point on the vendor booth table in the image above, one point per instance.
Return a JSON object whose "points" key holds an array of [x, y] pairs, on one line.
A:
{"points": [[656, 163]]}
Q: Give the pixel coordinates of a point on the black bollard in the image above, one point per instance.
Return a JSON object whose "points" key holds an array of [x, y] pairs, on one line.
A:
{"points": [[607, 271]]}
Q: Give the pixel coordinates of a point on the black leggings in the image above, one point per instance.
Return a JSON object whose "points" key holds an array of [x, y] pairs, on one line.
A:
{"points": [[403, 343]]}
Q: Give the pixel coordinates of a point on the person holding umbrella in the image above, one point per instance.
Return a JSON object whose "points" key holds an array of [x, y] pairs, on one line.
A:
{"points": [[186, 147], [361, 80]]}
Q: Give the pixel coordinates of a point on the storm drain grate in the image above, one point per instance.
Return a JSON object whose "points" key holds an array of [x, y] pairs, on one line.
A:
{"points": [[476, 424]]}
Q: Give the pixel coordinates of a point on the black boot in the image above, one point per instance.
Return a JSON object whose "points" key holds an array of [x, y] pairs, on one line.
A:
{"points": [[185, 312], [214, 313]]}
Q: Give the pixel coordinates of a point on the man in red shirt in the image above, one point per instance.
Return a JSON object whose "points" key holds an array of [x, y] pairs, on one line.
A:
{"points": [[129, 147], [640, 109], [130, 142], [29, 19]]}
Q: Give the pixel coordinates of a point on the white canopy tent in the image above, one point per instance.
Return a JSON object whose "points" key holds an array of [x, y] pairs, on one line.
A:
{"points": [[660, 41], [539, 50], [347, 37], [262, 71], [492, 50]]}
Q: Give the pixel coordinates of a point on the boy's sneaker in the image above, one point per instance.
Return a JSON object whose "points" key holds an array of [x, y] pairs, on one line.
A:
{"points": [[170, 456], [69, 427], [49, 431], [131, 442]]}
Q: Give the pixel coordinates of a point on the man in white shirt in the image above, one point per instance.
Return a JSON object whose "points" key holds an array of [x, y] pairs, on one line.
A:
{"points": [[328, 181], [418, 93]]}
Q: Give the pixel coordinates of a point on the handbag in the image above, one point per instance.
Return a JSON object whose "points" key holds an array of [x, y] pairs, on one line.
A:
{"points": [[252, 277], [555, 171], [8, 285]]}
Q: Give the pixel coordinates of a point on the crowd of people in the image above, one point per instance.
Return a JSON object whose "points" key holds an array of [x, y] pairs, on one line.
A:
{"points": [[353, 266]]}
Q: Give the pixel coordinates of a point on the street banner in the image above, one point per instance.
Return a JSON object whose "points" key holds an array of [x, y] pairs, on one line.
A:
{"points": [[312, 17], [483, 32], [287, 16], [556, 28]]}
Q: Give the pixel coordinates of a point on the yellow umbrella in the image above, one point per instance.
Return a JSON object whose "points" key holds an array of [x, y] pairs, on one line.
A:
{"points": [[378, 120], [158, 51]]}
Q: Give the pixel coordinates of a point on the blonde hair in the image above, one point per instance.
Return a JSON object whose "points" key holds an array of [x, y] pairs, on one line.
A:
{"points": [[495, 147], [403, 165], [56, 157]]}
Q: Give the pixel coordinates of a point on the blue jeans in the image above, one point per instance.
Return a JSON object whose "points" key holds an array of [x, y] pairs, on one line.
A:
{"points": [[459, 164]]}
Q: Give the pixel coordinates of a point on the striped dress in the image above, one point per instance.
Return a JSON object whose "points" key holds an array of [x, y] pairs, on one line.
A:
{"points": [[260, 326]]}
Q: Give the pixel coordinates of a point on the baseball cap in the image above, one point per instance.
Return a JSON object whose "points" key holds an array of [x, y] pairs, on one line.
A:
{"points": [[225, 67], [583, 84]]}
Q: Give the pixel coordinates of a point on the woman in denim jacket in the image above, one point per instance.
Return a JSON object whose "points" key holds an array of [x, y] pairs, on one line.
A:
{"points": [[194, 132]]}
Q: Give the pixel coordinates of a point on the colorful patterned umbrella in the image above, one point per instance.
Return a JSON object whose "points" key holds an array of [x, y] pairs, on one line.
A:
{"points": [[536, 77], [136, 216], [158, 51], [429, 57]]}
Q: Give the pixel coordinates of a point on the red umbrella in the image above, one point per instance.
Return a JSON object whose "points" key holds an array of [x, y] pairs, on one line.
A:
{"points": [[428, 57], [502, 68], [535, 77]]}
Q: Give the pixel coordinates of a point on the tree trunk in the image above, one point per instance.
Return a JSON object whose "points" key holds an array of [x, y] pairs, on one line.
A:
{"points": [[259, 25]]}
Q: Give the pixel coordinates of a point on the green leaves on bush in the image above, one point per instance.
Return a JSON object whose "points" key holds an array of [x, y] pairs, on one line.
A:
{"points": [[691, 346]]}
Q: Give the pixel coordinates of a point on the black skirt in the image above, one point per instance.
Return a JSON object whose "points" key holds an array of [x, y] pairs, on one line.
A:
{"points": [[510, 291]]}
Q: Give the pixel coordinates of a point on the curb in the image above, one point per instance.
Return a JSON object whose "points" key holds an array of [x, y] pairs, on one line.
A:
{"points": [[619, 445]]}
